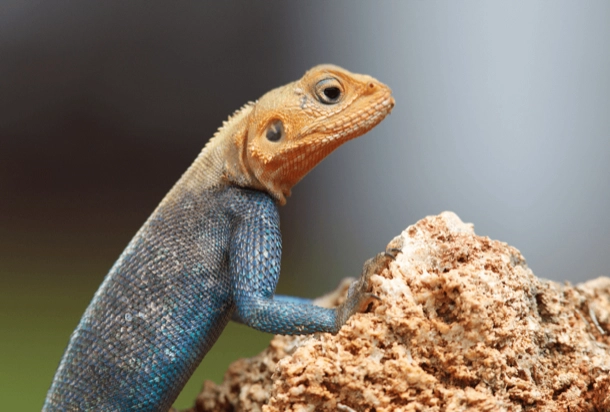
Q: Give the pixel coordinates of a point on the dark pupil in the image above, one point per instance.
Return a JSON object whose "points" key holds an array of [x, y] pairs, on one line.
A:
{"points": [[332, 93], [275, 131]]}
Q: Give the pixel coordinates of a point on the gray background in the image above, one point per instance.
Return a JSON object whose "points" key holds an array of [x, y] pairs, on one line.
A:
{"points": [[502, 116]]}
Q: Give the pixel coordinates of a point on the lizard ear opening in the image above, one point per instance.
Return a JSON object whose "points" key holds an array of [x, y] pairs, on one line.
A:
{"points": [[275, 131]]}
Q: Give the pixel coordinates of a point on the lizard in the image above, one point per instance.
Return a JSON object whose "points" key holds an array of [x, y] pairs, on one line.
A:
{"points": [[210, 252]]}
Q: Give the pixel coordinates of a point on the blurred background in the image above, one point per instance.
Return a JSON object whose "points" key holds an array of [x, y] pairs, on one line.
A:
{"points": [[502, 116]]}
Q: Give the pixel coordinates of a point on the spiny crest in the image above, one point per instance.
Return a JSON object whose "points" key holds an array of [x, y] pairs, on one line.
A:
{"points": [[227, 123]]}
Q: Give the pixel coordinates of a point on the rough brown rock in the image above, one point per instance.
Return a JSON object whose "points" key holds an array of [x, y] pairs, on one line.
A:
{"points": [[462, 324]]}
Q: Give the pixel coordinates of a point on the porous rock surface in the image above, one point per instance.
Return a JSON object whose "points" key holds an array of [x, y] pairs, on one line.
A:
{"points": [[462, 325]]}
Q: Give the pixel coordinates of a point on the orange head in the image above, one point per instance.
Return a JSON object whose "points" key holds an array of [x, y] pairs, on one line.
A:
{"points": [[292, 128]]}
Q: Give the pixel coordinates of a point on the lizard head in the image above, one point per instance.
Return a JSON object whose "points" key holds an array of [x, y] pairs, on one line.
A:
{"points": [[294, 127]]}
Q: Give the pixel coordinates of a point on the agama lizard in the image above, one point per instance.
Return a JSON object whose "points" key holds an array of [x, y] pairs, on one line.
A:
{"points": [[210, 252]]}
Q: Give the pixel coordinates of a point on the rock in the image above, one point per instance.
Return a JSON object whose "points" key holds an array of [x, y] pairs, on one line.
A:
{"points": [[462, 324]]}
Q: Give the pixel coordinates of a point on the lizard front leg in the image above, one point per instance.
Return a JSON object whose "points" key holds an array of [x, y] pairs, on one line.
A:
{"points": [[254, 267]]}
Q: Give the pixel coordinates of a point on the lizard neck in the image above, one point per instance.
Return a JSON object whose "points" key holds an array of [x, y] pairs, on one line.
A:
{"points": [[222, 161]]}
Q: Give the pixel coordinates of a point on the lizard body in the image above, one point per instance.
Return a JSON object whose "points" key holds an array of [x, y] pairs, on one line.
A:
{"points": [[210, 252]]}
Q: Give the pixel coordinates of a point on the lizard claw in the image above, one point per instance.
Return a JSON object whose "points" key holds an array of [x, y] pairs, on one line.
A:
{"points": [[374, 297], [381, 261], [392, 253], [394, 247]]}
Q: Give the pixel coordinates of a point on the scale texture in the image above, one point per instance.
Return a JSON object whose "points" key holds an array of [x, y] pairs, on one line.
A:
{"points": [[211, 251]]}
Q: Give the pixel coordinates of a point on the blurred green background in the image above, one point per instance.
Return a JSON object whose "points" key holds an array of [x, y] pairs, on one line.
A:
{"points": [[41, 301], [501, 116]]}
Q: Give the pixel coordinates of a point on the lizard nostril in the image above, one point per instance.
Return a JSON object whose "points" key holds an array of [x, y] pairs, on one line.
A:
{"points": [[371, 85]]}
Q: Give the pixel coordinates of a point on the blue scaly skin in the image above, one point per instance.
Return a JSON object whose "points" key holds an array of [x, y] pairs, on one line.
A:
{"points": [[211, 251]]}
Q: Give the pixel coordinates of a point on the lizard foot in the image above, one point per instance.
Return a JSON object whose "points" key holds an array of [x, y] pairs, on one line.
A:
{"points": [[358, 296], [383, 259]]}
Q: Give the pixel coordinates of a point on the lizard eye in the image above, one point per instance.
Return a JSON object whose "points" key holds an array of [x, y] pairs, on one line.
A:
{"points": [[275, 131], [328, 91]]}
